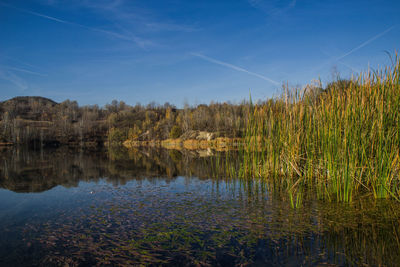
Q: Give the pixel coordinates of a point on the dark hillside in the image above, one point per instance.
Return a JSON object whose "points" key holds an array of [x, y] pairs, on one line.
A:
{"points": [[29, 99], [39, 121], [28, 107]]}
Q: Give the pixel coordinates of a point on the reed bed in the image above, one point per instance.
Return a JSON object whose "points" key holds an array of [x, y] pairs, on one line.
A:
{"points": [[341, 141]]}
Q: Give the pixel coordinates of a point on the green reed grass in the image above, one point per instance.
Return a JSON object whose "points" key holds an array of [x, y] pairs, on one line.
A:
{"points": [[341, 141]]}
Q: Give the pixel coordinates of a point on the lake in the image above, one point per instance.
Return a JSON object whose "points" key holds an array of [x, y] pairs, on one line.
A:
{"points": [[156, 207]]}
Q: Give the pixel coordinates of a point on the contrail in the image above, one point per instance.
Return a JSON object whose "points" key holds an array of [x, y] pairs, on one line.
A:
{"points": [[234, 68], [356, 48], [366, 42], [135, 39]]}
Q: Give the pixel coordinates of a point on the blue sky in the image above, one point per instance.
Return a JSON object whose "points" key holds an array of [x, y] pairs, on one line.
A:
{"points": [[177, 51]]}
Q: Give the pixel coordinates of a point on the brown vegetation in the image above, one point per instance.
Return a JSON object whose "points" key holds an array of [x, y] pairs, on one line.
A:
{"points": [[40, 121]]}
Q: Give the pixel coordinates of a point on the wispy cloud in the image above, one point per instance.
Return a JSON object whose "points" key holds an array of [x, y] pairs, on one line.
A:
{"points": [[218, 62], [157, 26], [23, 70], [349, 66], [18, 61], [273, 7], [127, 14], [14, 79], [9, 72], [127, 37], [341, 62]]}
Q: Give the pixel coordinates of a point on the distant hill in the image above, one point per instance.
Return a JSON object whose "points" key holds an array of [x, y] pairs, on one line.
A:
{"points": [[28, 107], [40, 121], [26, 100]]}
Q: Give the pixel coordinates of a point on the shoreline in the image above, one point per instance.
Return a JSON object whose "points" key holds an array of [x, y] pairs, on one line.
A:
{"points": [[2, 144], [218, 144]]}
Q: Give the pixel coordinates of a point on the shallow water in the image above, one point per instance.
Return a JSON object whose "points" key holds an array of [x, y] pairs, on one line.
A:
{"points": [[158, 207]]}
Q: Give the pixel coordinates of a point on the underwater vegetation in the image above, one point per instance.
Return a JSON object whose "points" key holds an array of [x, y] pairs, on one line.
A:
{"points": [[169, 208], [214, 224]]}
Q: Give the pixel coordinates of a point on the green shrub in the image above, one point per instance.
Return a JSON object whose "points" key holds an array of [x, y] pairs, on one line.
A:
{"points": [[116, 136], [175, 132]]}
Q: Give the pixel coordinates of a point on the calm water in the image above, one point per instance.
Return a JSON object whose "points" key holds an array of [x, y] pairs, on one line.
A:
{"points": [[157, 207]]}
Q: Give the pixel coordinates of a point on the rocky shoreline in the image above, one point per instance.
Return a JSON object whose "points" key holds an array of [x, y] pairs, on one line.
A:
{"points": [[195, 140]]}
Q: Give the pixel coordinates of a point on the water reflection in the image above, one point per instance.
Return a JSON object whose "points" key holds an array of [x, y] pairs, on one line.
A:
{"points": [[157, 207], [25, 171]]}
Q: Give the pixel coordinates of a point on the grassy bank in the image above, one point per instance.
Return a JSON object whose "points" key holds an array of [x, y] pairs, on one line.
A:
{"points": [[343, 140]]}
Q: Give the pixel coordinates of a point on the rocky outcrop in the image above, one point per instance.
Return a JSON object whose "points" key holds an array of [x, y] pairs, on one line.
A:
{"points": [[198, 135], [191, 140]]}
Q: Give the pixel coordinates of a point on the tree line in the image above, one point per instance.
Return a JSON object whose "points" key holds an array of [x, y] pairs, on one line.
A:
{"points": [[40, 121]]}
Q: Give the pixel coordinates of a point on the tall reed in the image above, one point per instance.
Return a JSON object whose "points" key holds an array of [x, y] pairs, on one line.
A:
{"points": [[342, 140]]}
